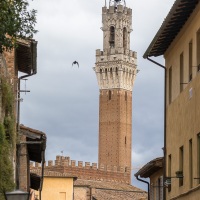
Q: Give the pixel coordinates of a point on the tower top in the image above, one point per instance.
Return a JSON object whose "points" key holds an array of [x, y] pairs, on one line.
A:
{"points": [[117, 2]]}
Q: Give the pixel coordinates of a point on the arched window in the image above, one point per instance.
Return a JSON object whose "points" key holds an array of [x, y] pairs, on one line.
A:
{"points": [[116, 71], [112, 36], [125, 38], [111, 74]]}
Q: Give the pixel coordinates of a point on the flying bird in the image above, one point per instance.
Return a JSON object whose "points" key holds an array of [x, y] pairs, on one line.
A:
{"points": [[75, 62]]}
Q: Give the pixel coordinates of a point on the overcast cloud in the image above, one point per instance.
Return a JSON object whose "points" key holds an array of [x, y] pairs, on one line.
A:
{"points": [[64, 102]]}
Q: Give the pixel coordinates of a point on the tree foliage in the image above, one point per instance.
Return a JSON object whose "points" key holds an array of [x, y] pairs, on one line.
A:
{"points": [[16, 21], [6, 168], [7, 139]]}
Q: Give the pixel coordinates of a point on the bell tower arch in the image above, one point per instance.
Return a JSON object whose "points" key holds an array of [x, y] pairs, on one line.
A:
{"points": [[115, 68]]}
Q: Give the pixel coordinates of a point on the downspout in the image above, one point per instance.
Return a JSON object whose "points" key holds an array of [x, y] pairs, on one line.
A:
{"points": [[165, 123], [18, 147], [143, 182], [42, 175]]}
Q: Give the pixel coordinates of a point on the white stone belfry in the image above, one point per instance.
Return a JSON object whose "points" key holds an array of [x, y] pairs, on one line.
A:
{"points": [[116, 65]]}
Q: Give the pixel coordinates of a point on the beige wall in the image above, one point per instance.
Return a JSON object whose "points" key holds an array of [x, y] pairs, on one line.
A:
{"points": [[156, 185], [181, 45], [183, 112], [59, 188]]}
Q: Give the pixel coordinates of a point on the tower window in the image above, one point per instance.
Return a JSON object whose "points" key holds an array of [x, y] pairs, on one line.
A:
{"points": [[116, 70], [109, 95], [112, 36], [111, 74], [106, 72], [125, 38], [125, 96]]}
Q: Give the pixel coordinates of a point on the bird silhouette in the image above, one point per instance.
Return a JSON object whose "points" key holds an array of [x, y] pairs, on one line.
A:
{"points": [[75, 62]]}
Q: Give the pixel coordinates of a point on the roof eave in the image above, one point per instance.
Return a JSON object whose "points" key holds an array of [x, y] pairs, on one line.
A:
{"points": [[170, 16], [150, 168]]}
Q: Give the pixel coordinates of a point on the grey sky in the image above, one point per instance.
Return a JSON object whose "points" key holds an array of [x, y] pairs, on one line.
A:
{"points": [[63, 101]]}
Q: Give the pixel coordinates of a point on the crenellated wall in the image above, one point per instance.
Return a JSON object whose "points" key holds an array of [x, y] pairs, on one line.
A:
{"points": [[86, 170]]}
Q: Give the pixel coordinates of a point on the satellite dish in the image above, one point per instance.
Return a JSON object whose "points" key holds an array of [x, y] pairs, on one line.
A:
{"points": [[117, 2]]}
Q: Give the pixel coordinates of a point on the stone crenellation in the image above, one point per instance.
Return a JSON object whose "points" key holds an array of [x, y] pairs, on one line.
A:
{"points": [[114, 54], [85, 170]]}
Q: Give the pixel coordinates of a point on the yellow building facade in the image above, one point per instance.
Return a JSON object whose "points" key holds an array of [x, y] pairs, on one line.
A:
{"points": [[59, 186], [179, 41], [183, 110]]}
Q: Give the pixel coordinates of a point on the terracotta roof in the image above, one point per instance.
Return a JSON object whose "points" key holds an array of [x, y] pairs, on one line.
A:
{"points": [[111, 190], [118, 195], [175, 20], [150, 168]]}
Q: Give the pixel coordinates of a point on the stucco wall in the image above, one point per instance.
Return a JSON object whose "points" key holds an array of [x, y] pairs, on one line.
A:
{"points": [[183, 112], [59, 188], [156, 187]]}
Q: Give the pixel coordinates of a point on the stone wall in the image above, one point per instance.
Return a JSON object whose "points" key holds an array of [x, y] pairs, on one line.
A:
{"points": [[86, 171]]}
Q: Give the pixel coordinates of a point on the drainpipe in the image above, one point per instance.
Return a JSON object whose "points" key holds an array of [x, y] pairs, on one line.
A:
{"points": [[42, 176], [165, 108], [143, 182], [18, 147]]}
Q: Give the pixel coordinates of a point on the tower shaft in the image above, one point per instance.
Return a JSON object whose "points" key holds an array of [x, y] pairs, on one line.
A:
{"points": [[115, 69], [115, 127]]}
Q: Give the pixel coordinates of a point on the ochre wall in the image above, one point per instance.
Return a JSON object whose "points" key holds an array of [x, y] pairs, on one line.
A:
{"points": [[155, 187], [59, 188], [183, 113]]}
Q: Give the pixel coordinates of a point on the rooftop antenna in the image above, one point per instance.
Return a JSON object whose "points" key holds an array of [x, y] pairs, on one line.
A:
{"points": [[25, 91]]}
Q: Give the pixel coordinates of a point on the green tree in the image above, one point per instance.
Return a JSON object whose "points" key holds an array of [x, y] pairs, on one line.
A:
{"points": [[7, 139], [16, 21]]}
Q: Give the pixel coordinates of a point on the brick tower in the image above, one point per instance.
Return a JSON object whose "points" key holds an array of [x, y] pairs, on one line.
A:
{"points": [[115, 69]]}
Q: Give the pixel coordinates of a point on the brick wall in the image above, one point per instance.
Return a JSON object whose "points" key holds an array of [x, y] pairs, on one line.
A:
{"points": [[23, 165], [115, 127], [86, 171]]}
